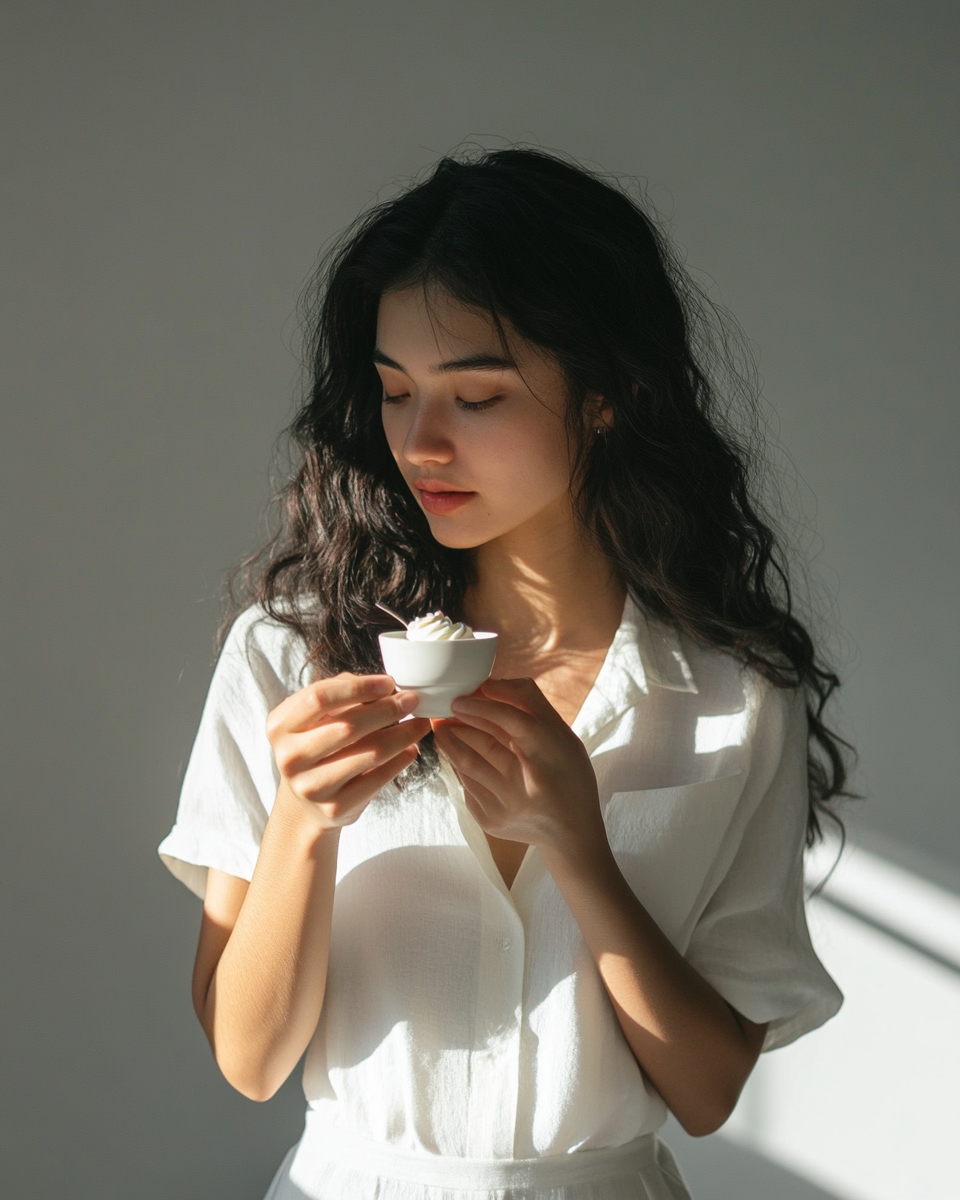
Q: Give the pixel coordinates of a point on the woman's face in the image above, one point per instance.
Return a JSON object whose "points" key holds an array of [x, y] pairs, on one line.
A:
{"points": [[479, 436]]}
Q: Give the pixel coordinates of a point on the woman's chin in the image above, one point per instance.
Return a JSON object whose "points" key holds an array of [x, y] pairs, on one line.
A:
{"points": [[463, 535], [457, 539], [457, 534]]}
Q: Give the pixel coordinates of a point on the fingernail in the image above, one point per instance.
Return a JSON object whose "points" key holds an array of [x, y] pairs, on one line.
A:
{"points": [[407, 702]]}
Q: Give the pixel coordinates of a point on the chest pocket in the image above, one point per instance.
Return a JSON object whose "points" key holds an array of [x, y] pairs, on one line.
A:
{"points": [[668, 843]]}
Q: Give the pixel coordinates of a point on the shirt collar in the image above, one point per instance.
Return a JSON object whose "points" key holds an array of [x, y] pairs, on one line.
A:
{"points": [[643, 652]]}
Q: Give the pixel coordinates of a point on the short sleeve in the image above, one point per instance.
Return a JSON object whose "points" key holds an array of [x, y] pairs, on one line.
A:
{"points": [[751, 941], [231, 778]]}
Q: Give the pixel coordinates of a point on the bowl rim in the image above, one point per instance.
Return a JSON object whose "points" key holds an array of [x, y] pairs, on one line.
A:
{"points": [[396, 635]]}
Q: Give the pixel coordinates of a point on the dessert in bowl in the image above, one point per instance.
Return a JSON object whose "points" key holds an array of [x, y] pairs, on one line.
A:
{"points": [[439, 659]]}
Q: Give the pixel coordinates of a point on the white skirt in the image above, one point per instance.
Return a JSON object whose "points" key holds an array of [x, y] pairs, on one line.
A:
{"points": [[329, 1163]]}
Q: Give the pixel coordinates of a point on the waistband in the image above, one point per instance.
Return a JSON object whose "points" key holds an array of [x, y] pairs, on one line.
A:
{"points": [[330, 1144]]}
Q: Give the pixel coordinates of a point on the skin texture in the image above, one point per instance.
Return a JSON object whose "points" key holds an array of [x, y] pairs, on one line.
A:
{"points": [[528, 781]]}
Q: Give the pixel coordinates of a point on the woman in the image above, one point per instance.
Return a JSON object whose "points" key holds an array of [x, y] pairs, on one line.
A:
{"points": [[509, 941]]}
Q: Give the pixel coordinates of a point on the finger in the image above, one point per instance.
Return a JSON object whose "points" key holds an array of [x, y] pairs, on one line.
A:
{"points": [[311, 704], [325, 783], [360, 720], [370, 782], [295, 750], [519, 693], [469, 762], [330, 744], [331, 771], [484, 806], [484, 743], [502, 721], [308, 706], [473, 790]]}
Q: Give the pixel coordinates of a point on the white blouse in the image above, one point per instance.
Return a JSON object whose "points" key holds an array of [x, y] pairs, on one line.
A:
{"points": [[467, 1046]]}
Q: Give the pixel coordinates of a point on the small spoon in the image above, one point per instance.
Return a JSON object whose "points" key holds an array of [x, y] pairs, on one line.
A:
{"points": [[396, 616]]}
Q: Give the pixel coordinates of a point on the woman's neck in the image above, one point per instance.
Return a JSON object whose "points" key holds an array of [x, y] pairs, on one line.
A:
{"points": [[545, 589]]}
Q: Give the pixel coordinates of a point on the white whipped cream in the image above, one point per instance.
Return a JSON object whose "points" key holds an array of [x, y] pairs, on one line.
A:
{"points": [[436, 627]]}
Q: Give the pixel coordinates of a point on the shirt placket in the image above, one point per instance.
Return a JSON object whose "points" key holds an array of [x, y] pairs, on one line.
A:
{"points": [[494, 1059], [494, 1063]]}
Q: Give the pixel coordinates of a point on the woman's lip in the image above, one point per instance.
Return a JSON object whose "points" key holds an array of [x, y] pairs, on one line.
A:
{"points": [[443, 502], [436, 485]]}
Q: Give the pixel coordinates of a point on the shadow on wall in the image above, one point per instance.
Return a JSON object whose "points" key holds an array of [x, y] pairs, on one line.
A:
{"points": [[717, 1169]]}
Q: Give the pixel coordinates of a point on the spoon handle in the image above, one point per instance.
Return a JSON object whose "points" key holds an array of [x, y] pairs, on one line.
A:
{"points": [[396, 616]]}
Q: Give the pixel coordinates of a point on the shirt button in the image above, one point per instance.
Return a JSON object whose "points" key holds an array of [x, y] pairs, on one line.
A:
{"points": [[505, 945]]}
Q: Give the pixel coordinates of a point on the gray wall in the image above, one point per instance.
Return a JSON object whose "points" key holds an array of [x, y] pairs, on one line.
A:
{"points": [[171, 172]]}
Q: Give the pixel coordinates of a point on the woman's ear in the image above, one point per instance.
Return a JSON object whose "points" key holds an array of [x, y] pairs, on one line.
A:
{"points": [[599, 415]]}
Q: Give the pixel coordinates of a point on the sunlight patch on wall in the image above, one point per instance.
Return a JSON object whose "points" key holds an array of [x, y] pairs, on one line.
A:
{"points": [[867, 1106]]}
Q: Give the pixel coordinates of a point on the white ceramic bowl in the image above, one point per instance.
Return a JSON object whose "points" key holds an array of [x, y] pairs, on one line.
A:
{"points": [[438, 671]]}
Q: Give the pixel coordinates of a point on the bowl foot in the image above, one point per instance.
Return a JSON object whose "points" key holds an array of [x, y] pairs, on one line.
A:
{"points": [[435, 700]]}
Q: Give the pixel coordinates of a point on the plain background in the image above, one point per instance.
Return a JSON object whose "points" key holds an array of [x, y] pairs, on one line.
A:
{"points": [[171, 171]]}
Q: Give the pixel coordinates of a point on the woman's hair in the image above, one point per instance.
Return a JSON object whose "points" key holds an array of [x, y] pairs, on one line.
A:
{"points": [[572, 264]]}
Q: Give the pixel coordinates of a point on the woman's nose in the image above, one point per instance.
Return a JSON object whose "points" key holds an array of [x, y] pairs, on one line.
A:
{"points": [[427, 438]]}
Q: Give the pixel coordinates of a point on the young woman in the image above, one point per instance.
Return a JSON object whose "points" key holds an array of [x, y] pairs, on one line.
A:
{"points": [[511, 941]]}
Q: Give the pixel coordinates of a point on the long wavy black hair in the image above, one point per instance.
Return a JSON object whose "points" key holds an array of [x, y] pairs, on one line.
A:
{"points": [[570, 262]]}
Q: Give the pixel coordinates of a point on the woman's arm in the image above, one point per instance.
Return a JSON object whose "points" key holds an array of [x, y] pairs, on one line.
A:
{"points": [[528, 778], [261, 964], [695, 1048]]}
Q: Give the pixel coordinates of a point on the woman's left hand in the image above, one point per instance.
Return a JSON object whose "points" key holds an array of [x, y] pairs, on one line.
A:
{"points": [[526, 775]]}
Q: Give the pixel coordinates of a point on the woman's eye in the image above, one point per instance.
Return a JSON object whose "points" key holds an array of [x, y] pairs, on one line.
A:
{"points": [[469, 405], [478, 405]]}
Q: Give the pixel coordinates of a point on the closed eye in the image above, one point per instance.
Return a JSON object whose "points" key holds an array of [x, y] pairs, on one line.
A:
{"points": [[478, 405], [468, 405]]}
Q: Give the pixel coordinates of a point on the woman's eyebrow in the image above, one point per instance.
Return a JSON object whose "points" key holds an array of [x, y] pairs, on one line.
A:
{"points": [[473, 362]]}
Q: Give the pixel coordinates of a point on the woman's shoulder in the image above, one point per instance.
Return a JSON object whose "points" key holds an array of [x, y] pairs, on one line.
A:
{"points": [[715, 678], [263, 645], [768, 710]]}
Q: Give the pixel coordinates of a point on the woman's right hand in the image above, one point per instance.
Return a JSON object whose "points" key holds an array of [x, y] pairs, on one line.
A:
{"points": [[338, 741]]}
